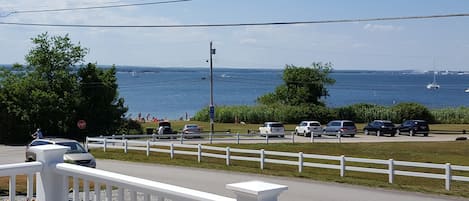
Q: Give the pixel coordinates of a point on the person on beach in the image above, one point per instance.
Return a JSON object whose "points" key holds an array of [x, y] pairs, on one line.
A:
{"points": [[37, 134]]}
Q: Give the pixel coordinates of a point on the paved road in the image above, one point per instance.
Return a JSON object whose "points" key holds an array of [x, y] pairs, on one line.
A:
{"points": [[214, 181]]}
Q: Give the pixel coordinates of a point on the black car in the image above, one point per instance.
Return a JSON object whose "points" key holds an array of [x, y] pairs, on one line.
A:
{"points": [[413, 127], [380, 127], [166, 129]]}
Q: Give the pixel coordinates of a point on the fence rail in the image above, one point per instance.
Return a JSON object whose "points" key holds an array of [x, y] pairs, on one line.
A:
{"points": [[294, 159]]}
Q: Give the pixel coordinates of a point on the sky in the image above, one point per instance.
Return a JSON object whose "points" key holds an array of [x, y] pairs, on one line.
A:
{"points": [[424, 44]]}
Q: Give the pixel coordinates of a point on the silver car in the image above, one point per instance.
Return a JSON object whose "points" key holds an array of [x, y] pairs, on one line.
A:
{"points": [[340, 127], [191, 130], [75, 155]]}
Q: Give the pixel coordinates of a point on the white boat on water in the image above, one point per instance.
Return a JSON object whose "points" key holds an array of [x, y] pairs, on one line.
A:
{"points": [[467, 90], [433, 85]]}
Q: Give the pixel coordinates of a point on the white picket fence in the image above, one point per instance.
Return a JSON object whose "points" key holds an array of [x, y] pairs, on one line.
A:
{"points": [[297, 159], [52, 183]]}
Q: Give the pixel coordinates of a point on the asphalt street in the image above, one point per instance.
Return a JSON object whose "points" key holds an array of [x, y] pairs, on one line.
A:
{"points": [[214, 181]]}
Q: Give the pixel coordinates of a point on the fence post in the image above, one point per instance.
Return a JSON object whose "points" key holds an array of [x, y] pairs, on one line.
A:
{"points": [[211, 136], [262, 158], [312, 137], [148, 148], [267, 138], [153, 137], [339, 137], [48, 182], [182, 138], [256, 191], [228, 155], [391, 170], [171, 150], [86, 143], [342, 166], [448, 176], [199, 153], [123, 136], [237, 137], [293, 138], [126, 144], [104, 144], [300, 162]]}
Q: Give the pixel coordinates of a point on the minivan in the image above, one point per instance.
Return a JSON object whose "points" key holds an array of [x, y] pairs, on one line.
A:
{"points": [[340, 127]]}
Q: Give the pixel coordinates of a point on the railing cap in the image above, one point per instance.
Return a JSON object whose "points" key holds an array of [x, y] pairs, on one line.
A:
{"points": [[257, 187]]}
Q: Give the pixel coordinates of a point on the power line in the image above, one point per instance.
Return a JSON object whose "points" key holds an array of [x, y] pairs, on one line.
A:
{"points": [[92, 7], [240, 24]]}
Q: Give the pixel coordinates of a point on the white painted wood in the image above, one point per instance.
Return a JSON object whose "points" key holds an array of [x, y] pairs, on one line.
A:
{"points": [[12, 191], [256, 191]]}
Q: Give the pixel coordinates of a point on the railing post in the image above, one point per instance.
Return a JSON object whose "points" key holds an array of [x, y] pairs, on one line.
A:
{"points": [[97, 191], [171, 150], [228, 155], [300, 162], [153, 137], [126, 144], [237, 137], [148, 148], [342, 166], [391, 170], [267, 138], [12, 192], [199, 153], [293, 138], [448, 176], [312, 137], [262, 158], [86, 190], [182, 138], [30, 183], [123, 136], [48, 182], [256, 191]]}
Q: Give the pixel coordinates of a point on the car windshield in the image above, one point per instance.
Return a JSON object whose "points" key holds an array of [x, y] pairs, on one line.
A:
{"points": [[421, 123], [315, 124], [349, 123], [388, 124], [192, 126], [74, 147], [276, 125]]}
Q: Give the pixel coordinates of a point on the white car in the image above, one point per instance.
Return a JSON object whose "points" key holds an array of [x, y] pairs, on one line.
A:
{"points": [[305, 128], [272, 129]]}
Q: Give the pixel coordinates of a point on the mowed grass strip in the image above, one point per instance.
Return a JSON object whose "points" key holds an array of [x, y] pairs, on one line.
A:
{"points": [[429, 152]]}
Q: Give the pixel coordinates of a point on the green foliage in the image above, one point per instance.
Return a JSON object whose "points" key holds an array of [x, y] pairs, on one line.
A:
{"points": [[458, 115], [262, 113], [302, 86], [48, 93]]}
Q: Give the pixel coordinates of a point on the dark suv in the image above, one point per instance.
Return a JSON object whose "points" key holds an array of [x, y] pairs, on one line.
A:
{"points": [[380, 127], [414, 127]]}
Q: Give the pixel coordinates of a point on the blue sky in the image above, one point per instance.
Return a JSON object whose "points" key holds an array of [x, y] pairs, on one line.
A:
{"points": [[429, 44]]}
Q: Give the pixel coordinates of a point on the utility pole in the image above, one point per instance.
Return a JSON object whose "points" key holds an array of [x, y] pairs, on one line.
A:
{"points": [[212, 107]]}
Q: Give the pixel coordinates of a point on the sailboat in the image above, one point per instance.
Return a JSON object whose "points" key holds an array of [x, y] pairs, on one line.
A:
{"points": [[433, 85]]}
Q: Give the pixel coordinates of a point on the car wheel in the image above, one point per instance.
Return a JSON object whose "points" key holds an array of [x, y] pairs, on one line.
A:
{"points": [[411, 132], [425, 134], [378, 133], [366, 132], [352, 135]]}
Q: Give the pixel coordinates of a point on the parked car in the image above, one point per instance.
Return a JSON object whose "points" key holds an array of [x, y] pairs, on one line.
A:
{"points": [[272, 129], [191, 130], [165, 127], [340, 127], [76, 154], [305, 128], [380, 127], [414, 127]]}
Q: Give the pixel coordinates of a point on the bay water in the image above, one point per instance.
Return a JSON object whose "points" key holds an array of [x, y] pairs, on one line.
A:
{"points": [[174, 93]]}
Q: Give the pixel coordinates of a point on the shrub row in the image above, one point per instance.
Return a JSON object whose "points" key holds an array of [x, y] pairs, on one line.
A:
{"points": [[360, 113]]}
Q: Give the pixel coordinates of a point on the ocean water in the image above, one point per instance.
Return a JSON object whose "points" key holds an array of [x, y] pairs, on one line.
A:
{"points": [[174, 92]]}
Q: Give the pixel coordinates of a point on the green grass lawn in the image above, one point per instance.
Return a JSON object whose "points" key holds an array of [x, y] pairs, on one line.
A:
{"points": [[432, 152]]}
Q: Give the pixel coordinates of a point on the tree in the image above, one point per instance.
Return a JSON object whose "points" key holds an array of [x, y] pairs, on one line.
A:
{"points": [[47, 92], [100, 106], [302, 86]]}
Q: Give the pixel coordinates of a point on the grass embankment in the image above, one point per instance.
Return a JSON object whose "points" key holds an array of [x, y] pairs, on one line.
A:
{"points": [[433, 152]]}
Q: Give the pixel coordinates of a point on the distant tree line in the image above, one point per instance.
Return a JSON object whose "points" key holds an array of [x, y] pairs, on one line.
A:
{"points": [[54, 90]]}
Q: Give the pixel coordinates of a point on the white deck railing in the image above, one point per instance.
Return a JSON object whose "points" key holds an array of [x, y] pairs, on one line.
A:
{"points": [[292, 159], [53, 177]]}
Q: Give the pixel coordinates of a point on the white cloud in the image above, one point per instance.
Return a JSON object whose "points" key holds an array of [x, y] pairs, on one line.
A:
{"points": [[381, 28]]}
